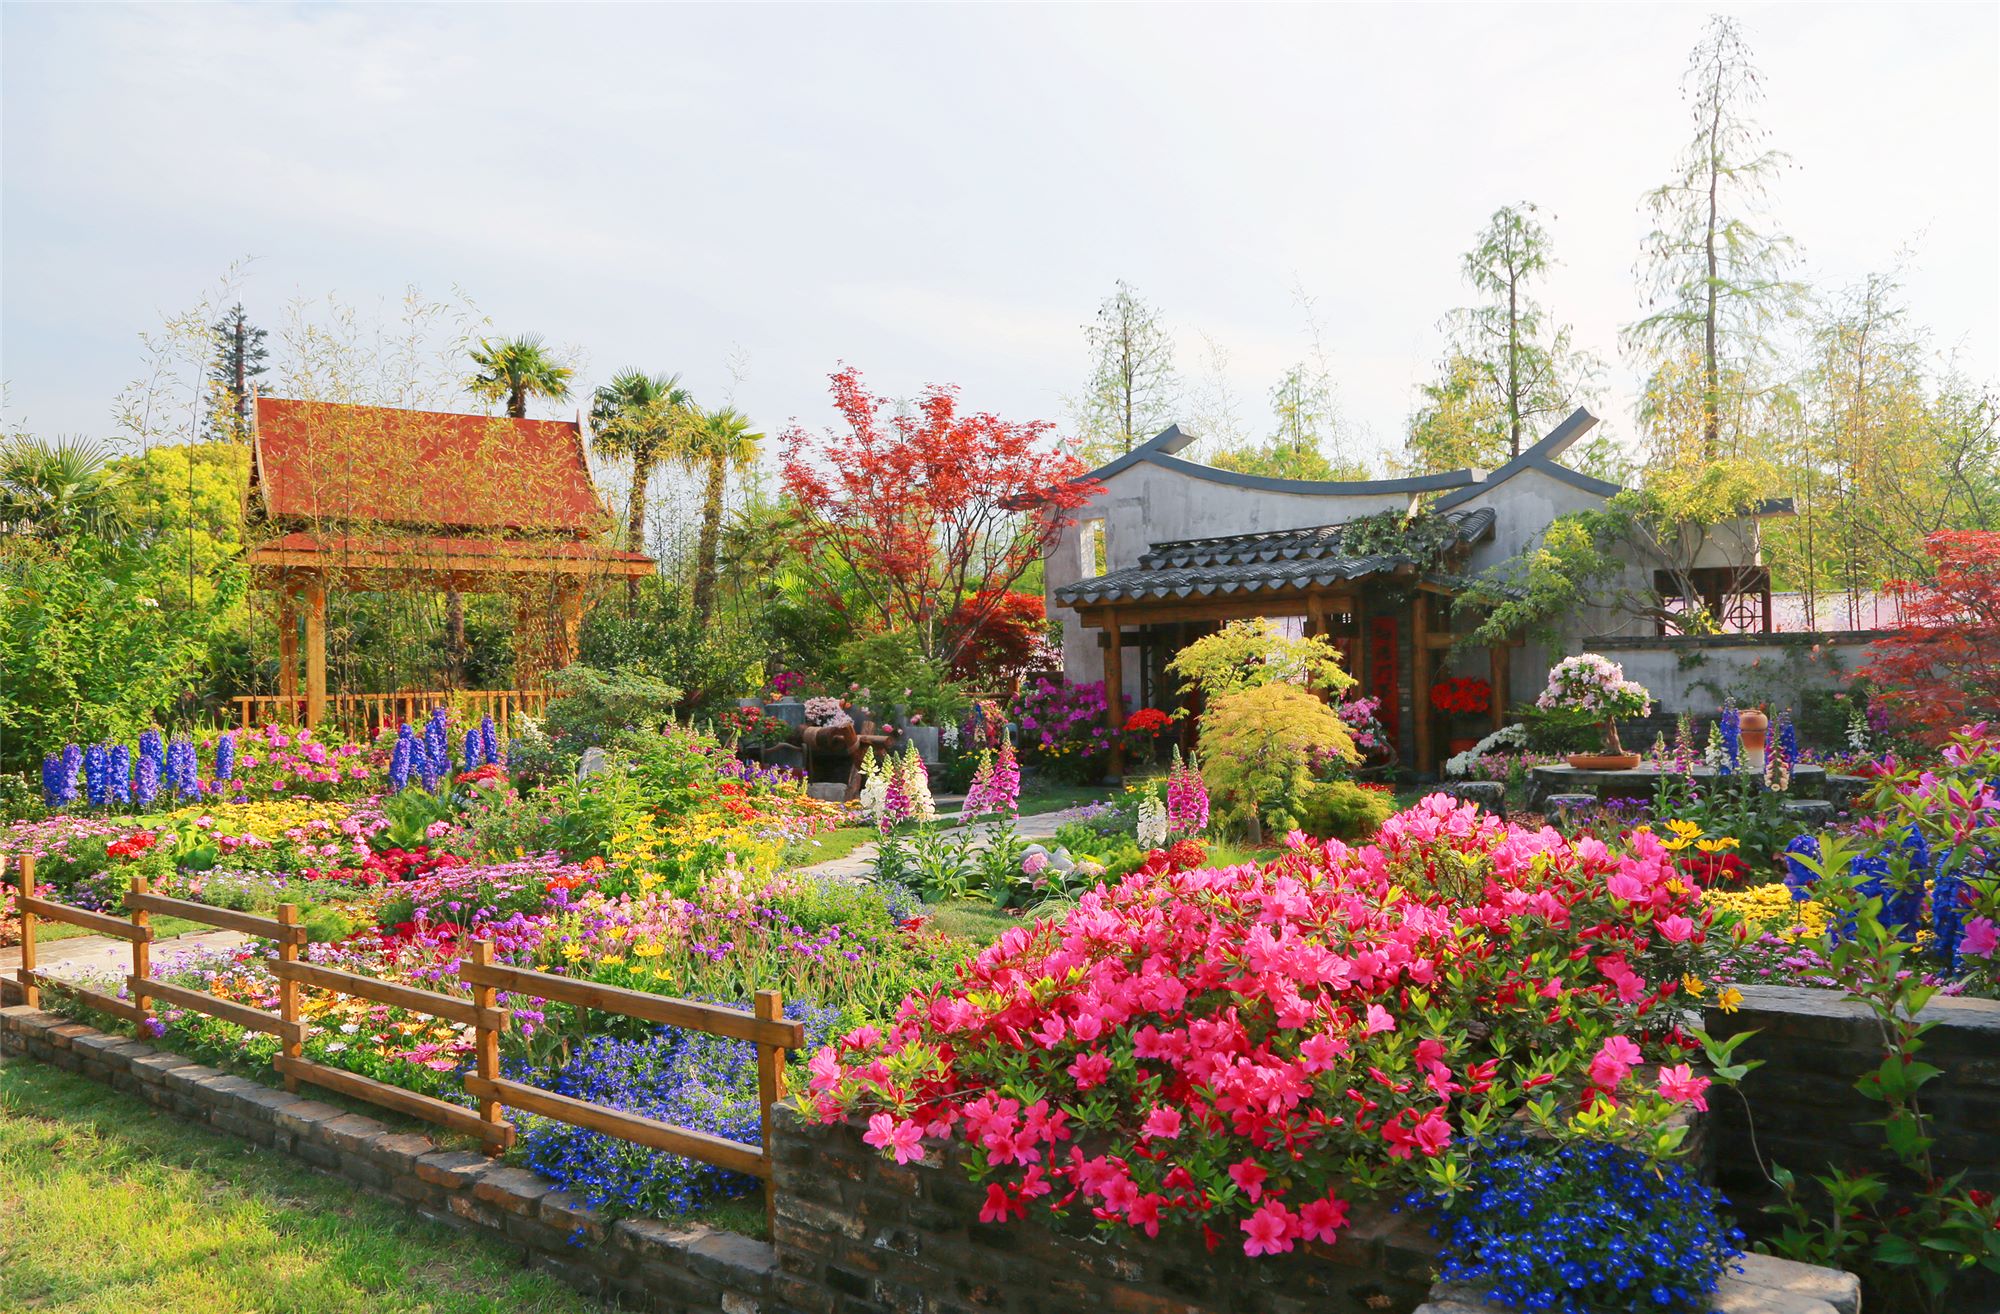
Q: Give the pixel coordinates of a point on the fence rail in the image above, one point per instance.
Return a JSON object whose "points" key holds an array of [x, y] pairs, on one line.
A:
{"points": [[763, 1025], [372, 711]]}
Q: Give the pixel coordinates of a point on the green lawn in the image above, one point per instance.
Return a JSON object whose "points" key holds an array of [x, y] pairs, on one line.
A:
{"points": [[108, 1206], [827, 846], [163, 925]]}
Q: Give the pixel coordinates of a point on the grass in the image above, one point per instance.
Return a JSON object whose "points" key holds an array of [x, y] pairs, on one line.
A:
{"points": [[827, 846], [1054, 798], [163, 925], [112, 1207]]}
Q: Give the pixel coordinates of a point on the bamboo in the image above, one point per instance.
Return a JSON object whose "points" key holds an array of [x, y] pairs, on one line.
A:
{"points": [[49, 911], [228, 918], [288, 999], [201, 1001], [684, 1141], [712, 1018], [448, 1007], [427, 1107], [486, 1040], [770, 1007], [25, 866], [142, 947]]}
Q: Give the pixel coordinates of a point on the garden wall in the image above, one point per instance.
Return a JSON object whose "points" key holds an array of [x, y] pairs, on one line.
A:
{"points": [[1805, 1112], [859, 1234], [1695, 673]]}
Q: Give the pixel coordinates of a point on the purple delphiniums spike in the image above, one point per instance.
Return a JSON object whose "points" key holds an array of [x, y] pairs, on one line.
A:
{"points": [[225, 757], [402, 759], [1732, 737], [1788, 739], [489, 741], [120, 773], [436, 761], [146, 777], [154, 749], [97, 775], [72, 773], [52, 780], [474, 750]]}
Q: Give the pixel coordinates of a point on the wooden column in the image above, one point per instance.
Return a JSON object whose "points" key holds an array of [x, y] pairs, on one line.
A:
{"points": [[569, 619], [1420, 679], [1316, 624], [288, 647], [1497, 677], [1114, 688], [315, 595], [1360, 671], [24, 870]]}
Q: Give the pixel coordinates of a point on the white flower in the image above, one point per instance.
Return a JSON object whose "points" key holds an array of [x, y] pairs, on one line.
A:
{"points": [[1152, 822]]}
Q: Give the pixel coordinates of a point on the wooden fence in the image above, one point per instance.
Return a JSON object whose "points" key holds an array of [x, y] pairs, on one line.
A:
{"points": [[368, 713], [765, 1026]]}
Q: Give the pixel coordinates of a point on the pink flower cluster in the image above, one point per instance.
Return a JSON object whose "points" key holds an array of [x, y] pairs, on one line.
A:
{"points": [[1187, 800], [996, 784], [1212, 1046]]}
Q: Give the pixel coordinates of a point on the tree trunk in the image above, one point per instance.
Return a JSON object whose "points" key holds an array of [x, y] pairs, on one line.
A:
{"points": [[1514, 362], [635, 520], [1612, 747], [1711, 373], [711, 531]]}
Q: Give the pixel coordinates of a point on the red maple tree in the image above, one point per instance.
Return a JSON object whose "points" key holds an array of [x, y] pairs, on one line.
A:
{"points": [[931, 515], [1941, 668], [1009, 641]]}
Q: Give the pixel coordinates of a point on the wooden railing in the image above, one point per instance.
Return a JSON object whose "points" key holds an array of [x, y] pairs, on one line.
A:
{"points": [[765, 1026], [368, 713]]}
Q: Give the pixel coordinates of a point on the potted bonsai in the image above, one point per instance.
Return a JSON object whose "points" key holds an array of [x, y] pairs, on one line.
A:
{"points": [[1594, 687]]}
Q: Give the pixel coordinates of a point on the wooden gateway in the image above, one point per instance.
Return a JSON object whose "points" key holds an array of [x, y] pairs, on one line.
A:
{"points": [[371, 498]]}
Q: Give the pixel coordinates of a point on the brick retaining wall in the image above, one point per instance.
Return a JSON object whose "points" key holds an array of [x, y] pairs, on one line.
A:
{"points": [[1806, 1113], [860, 1234]]}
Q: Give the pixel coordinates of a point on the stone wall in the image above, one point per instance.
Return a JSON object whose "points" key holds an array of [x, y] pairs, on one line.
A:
{"points": [[1805, 1113], [859, 1234]]}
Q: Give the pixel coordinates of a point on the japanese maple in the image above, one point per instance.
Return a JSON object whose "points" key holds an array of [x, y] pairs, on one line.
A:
{"points": [[924, 514], [1941, 668]]}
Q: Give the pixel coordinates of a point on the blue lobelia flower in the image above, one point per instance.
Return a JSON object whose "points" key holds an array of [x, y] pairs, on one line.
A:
{"points": [[120, 770], [97, 775]]}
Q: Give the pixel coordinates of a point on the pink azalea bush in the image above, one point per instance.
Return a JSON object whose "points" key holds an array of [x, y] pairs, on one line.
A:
{"points": [[1247, 1049]]}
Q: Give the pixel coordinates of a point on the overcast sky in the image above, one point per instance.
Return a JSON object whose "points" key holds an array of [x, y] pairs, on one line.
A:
{"points": [[940, 194]]}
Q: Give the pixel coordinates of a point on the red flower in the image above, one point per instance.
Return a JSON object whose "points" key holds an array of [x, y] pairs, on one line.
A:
{"points": [[1148, 721], [1467, 693]]}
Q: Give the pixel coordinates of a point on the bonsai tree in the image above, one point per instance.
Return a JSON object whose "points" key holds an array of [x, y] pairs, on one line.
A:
{"points": [[1593, 686]]}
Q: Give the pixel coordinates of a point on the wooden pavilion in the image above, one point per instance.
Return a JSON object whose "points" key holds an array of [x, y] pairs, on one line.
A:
{"points": [[377, 499], [1386, 611]]}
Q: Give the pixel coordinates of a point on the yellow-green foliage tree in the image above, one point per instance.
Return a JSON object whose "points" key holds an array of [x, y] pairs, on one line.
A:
{"points": [[1246, 654], [1259, 747]]}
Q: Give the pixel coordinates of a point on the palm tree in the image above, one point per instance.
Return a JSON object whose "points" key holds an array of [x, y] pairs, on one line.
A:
{"points": [[721, 441], [516, 369], [646, 417], [55, 489], [513, 369]]}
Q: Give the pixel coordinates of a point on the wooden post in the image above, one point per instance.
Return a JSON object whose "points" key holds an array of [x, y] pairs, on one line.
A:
{"points": [[487, 1046], [1497, 677], [1114, 690], [31, 994], [142, 948], [1420, 678], [1360, 671], [770, 1007], [315, 651], [569, 619], [288, 647], [288, 995]]}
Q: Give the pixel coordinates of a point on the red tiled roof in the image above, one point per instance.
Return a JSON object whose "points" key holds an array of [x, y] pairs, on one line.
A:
{"points": [[427, 548], [325, 464]]}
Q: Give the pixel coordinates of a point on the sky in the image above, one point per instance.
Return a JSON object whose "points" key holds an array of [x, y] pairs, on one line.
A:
{"points": [[750, 195]]}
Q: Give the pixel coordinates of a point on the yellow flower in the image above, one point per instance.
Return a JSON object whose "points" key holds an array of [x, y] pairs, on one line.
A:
{"points": [[1693, 985], [1673, 845], [1686, 830], [1716, 845], [612, 960], [651, 950], [573, 951], [1730, 999]]}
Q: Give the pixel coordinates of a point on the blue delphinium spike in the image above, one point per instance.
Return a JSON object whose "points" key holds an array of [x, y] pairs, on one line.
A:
{"points": [[225, 757], [489, 746], [97, 775], [120, 774]]}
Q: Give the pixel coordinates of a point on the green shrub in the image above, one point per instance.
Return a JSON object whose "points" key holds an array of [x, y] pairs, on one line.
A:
{"points": [[1258, 748], [1343, 810], [887, 665], [594, 708]]}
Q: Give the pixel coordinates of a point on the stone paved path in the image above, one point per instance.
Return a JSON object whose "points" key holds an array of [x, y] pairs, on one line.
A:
{"points": [[101, 955]]}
